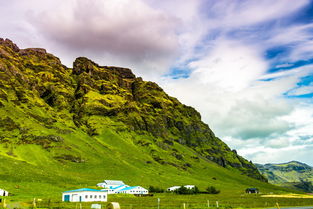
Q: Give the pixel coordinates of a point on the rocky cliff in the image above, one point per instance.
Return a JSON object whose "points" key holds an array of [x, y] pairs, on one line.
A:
{"points": [[42, 101]]}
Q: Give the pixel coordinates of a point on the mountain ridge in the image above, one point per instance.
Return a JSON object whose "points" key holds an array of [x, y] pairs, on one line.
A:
{"points": [[292, 174]]}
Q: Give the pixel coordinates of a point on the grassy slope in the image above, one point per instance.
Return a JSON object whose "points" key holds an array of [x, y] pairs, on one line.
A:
{"points": [[29, 171]]}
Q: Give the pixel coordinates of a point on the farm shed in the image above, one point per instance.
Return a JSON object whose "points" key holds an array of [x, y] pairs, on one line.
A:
{"points": [[109, 184], [252, 190], [85, 195]]}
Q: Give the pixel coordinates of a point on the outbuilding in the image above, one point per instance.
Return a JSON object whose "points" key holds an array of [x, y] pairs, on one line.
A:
{"points": [[109, 184], [85, 195], [252, 190], [133, 190], [173, 188], [4, 193]]}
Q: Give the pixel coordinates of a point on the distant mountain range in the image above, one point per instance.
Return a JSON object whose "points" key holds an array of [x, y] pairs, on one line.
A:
{"points": [[292, 174]]}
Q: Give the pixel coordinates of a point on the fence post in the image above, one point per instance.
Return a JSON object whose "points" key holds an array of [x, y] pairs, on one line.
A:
{"points": [[208, 203], [277, 205], [34, 203], [217, 204], [159, 203], [4, 204], [184, 205]]}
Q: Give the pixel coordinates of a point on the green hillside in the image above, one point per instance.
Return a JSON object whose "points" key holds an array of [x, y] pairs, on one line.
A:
{"points": [[292, 174], [63, 128]]}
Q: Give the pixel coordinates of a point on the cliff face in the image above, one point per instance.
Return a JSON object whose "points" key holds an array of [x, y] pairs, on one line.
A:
{"points": [[39, 94]]}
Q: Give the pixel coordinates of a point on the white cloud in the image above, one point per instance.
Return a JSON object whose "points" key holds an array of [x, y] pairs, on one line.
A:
{"points": [[229, 65]]}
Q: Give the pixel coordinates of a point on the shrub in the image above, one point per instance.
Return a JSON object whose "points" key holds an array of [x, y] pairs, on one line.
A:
{"points": [[212, 190], [153, 189]]}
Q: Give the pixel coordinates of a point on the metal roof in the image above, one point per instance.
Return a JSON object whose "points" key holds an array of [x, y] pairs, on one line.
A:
{"points": [[128, 188], [118, 187], [83, 190], [113, 182]]}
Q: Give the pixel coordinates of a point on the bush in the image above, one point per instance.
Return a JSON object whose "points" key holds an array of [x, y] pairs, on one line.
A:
{"points": [[153, 189], [212, 190]]}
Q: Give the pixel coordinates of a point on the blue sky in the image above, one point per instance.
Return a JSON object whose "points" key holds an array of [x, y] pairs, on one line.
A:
{"points": [[245, 65]]}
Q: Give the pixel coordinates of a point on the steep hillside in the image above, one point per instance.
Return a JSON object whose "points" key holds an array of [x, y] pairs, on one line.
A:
{"points": [[92, 122], [292, 174]]}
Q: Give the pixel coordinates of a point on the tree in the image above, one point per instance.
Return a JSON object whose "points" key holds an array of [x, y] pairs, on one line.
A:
{"points": [[212, 190], [153, 189]]}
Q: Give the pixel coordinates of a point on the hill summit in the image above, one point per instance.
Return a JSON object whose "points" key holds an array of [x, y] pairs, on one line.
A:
{"points": [[98, 116]]}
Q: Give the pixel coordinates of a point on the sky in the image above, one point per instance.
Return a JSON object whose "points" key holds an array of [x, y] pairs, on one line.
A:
{"points": [[245, 65]]}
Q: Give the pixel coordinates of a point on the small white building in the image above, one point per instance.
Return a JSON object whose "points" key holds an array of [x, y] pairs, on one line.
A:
{"points": [[109, 184], [85, 195], [173, 188], [4, 193], [133, 190]]}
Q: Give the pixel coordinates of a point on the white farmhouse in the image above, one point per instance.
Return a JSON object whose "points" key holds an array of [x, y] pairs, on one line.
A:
{"points": [[109, 184], [85, 195], [173, 188], [4, 193], [133, 190]]}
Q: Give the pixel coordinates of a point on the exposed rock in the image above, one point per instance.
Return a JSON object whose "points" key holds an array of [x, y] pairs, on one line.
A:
{"points": [[10, 44]]}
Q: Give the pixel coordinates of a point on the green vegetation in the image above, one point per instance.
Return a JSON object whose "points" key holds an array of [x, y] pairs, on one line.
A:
{"points": [[184, 190], [63, 129], [154, 189], [212, 190]]}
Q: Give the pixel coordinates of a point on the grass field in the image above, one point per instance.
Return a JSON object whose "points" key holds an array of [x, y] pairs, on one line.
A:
{"points": [[173, 201]]}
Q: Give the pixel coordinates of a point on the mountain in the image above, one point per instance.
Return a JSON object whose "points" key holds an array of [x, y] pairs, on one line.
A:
{"points": [[61, 127], [292, 174]]}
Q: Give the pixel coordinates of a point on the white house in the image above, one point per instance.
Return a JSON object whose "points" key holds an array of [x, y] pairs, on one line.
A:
{"points": [[189, 186], [113, 190], [173, 188], [85, 195], [109, 184], [4, 193], [133, 190]]}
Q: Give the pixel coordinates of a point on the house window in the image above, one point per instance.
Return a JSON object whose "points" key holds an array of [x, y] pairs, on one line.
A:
{"points": [[95, 196], [86, 196], [103, 196], [90, 196]]}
